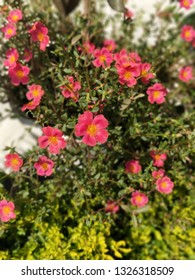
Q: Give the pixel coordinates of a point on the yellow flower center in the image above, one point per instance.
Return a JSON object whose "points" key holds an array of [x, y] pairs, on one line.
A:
{"points": [[164, 185], [157, 157], [92, 129], [53, 140], [186, 3], [156, 93], [102, 58], [131, 168], [44, 166], [19, 74], [138, 199], [14, 161], [40, 36], [128, 75], [12, 59], [188, 34], [35, 92], [15, 17], [9, 31], [6, 210]]}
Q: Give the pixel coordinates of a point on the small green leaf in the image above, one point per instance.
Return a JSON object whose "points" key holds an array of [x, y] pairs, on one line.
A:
{"points": [[142, 209], [117, 5]]}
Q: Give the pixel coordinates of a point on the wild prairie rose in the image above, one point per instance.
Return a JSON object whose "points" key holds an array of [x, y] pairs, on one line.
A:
{"points": [[145, 73], [164, 185], [53, 139], [38, 32], [27, 56], [35, 92], [13, 161], [7, 211], [102, 58], [44, 166], [132, 166], [9, 30], [111, 207], [185, 74], [33, 104], [19, 74], [12, 57], [158, 159], [92, 129], [187, 33], [110, 45], [156, 93], [15, 15], [71, 89], [158, 173], [139, 199], [186, 4]]}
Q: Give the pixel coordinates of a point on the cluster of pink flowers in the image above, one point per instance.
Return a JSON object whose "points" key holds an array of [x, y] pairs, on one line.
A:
{"points": [[92, 129], [163, 183], [39, 33], [34, 94], [186, 4], [10, 28], [185, 74], [53, 139], [71, 89], [6, 211]]}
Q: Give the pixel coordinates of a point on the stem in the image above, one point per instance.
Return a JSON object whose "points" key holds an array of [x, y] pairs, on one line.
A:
{"points": [[86, 8]]}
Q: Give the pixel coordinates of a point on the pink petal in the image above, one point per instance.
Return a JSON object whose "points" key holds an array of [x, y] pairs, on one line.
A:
{"points": [[102, 136], [100, 121], [43, 141], [48, 130], [54, 149], [80, 129], [89, 140], [87, 117]]}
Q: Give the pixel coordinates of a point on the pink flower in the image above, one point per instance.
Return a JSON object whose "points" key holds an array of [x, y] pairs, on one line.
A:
{"points": [[139, 199], [31, 105], [158, 173], [103, 58], [88, 47], [158, 159], [9, 30], [186, 3], [13, 161], [44, 166], [6, 211], [185, 74], [145, 72], [156, 93], [128, 14], [110, 45], [127, 75], [111, 207], [164, 185], [132, 166], [12, 57], [35, 92], [92, 130], [187, 33], [14, 16], [38, 32], [52, 139], [27, 56], [134, 57], [71, 89], [19, 74]]}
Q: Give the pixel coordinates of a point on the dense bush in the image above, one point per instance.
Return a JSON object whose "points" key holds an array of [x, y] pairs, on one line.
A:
{"points": [[132, 101]]}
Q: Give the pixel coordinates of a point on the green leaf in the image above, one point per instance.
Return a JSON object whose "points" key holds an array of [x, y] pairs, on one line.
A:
{"points": [[117, 5], [142, 209], [126, 208]]}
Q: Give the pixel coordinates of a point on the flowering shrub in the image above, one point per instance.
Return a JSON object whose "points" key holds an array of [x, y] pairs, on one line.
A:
{"points": [[114, 166]]}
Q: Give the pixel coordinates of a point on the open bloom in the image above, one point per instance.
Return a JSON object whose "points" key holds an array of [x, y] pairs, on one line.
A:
{"points": [[13, 161], [164, 185], [12, 57], [38, 32], [139, 199], [6, 211], [156, 93], [185, 74], [111, 207], [15, 15], [145, 73], [31, 105], [27, 56], [158, 159], [133, 166], [44, 166], [110, 45], [102, 58], [186, 3], [158, 173], [87, 47], [187, 33], [19, 74], [71, 89], [92, 129], [9, 30], [52, 139], [35, 92]]}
